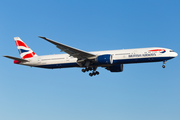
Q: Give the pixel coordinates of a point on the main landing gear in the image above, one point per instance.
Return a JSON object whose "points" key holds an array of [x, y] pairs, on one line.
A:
{"points": [[90, 69], [94, 73], [164, 62], [86, 70]]}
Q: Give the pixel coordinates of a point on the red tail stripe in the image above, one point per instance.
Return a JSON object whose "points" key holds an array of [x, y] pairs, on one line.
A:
{"points": [[27, 56], [20, 43], [33, 53]]}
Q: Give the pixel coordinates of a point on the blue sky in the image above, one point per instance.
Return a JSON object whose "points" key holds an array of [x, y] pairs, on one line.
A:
{"points": [[141, 92]]}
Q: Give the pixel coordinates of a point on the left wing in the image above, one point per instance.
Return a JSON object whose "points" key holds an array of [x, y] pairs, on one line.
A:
{"points": [[70, 50]]}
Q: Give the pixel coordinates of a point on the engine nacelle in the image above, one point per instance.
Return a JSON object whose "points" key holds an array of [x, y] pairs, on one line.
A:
{"points": [[115, 68], [105, 59]]}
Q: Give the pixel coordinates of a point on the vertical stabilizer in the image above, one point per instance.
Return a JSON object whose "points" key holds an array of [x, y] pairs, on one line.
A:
{"points": [[24, 50]]}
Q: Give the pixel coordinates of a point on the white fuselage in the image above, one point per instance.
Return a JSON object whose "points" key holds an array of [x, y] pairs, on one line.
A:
{"points": [[123, 56]]}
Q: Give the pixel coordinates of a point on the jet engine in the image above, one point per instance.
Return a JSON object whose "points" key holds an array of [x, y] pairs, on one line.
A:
{"points": [[115, 68], [104, 59]]}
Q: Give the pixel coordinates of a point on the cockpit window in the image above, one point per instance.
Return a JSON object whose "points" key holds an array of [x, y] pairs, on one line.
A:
{"points": [[171, 51]]}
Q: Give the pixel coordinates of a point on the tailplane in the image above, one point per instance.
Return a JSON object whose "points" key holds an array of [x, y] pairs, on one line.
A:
{"points": [[24, 50]]}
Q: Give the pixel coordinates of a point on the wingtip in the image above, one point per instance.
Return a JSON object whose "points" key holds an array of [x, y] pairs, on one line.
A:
{"points": [[42, 37]]}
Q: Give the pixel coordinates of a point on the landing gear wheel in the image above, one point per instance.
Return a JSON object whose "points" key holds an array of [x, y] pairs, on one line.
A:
{"points": [[90, 74], [163, 66], [83, 70], [97, 73]]}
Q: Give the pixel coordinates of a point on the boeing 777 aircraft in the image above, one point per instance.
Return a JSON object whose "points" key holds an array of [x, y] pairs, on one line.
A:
{"points": [[112, 60]]}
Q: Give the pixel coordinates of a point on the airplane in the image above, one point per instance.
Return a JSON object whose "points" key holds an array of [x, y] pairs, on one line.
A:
{"points": [[112, 60]]}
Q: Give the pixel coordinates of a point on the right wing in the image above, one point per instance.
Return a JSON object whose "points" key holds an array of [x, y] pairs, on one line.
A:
{"points": [[70, 50], [15, 58]]}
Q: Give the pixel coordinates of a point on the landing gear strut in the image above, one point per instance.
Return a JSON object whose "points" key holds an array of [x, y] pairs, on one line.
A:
{"points": [[164, 62]]}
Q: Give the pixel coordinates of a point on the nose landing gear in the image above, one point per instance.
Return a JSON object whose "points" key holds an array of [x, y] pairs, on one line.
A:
{"points": [[163, 66], [164, 62]]}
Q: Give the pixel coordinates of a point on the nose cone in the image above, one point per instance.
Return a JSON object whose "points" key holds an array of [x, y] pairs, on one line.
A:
{"points": [[175, 54]]}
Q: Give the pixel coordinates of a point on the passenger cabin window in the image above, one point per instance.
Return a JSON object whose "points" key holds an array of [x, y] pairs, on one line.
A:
{"points": [[123, 54]]}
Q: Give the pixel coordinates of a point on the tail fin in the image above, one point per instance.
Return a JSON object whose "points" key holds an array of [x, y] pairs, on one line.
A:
{"points": [[24, 50]]}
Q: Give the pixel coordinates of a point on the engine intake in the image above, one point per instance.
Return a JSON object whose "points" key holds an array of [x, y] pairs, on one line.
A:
{"points": [[104, 59]]}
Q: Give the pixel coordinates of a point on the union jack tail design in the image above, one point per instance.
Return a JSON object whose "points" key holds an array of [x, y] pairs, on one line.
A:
{"points": [[24, 50]]}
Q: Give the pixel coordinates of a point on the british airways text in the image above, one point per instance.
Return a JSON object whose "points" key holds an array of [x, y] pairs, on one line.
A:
{"points": [[140, 55]]}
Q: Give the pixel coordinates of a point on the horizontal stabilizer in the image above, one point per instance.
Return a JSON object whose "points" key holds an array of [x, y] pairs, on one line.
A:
{"points": [[15, 58]]}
